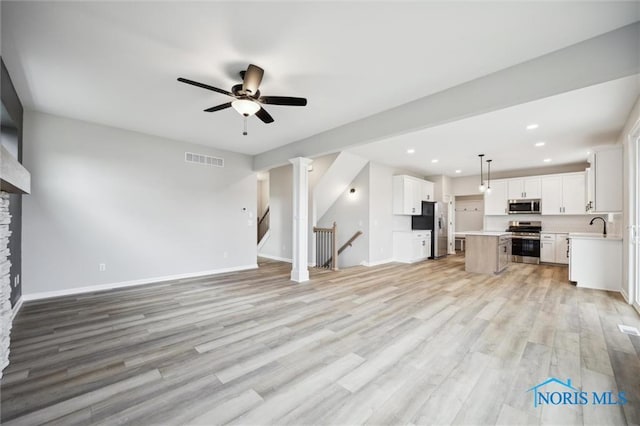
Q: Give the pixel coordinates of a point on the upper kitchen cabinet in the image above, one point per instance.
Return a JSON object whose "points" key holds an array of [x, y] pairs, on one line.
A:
{"points": [[409, 193], [604, 181], [495, 202], [563, 194], [524, 188], [428, 190]]}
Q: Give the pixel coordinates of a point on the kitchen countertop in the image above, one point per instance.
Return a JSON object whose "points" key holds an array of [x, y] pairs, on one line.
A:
{"points": [[489, 233], [594, 236]]}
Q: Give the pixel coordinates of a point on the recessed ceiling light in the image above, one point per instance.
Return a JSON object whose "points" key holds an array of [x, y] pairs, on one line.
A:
{"points": [[588, 152], [435, 160], [411, 151], [547, 160], [532, 126], [540, 144], [458, 171]]}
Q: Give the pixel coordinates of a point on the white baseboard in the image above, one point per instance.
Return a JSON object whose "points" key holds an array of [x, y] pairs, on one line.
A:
{"points": [[132, 283], [16, 309], [625, 296], [378, 262], [280, 259]]}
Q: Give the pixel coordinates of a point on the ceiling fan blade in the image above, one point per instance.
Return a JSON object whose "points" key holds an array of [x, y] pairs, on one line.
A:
{"points": [[204, 86], [283, 100], [263, 115], [252, 79], [218, 107]]}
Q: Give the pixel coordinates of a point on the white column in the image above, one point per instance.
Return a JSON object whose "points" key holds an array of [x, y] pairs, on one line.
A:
{"points": [[300, 257]]}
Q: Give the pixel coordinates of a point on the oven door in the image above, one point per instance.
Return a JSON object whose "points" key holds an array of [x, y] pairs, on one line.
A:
{"points": [[525, 250]]}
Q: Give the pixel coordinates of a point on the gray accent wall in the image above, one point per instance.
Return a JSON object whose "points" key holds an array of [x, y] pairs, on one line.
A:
{"points": [[102, 195]]}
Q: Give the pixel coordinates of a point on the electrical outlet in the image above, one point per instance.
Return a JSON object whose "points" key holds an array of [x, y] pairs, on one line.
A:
{"points": [[102, 267]]}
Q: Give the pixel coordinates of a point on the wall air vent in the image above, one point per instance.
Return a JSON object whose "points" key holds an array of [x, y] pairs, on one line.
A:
{"points": [[205, 160]]}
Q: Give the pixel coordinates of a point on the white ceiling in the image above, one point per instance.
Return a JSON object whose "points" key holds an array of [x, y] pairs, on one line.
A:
{"points": [[116, 63], [570, 125]]}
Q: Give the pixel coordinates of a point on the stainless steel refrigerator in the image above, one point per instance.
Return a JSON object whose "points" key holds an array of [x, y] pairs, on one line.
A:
{"points": [[434, 218]]}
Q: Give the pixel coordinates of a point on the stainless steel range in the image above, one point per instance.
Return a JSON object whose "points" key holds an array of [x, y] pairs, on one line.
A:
{"points": [[525, 240]]}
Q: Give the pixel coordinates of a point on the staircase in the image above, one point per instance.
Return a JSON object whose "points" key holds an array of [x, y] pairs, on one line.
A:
{"points": [[263, 224], [327, 250]]}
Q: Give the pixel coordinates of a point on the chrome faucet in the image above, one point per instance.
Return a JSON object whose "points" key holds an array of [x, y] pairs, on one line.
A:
{"points": [[604, 222]]}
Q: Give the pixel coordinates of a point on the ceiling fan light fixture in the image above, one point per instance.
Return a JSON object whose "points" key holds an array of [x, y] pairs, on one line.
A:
{"points": [[245, 107]]}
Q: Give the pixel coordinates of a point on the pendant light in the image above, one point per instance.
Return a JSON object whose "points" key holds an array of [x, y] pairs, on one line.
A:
{"points": [[488, 190], [481, 188]]}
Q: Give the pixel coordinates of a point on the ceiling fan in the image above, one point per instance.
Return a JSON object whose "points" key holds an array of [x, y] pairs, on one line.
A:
{"points": [[248, 100]]}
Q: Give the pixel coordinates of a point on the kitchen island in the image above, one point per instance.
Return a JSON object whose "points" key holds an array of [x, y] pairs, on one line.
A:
{"points": [[487, 252]]}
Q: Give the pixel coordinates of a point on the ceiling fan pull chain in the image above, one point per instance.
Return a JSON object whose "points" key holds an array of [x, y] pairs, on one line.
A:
{"points": [[245, 126]]}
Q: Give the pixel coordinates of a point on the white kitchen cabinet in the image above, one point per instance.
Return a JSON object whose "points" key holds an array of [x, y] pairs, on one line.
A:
{"points": [[563, 194], [495, 202], [409, 193], [554, 248], [411, 246], [547, 248], [548, 251], [573, 193], [429, 190], [604, 183], [562, 249], [524, 188], [551, 199], [595, 262]]}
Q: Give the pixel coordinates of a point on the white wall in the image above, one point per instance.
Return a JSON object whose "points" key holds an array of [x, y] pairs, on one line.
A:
{"points": [[263, 196], [129, 200], [351, 214], [469, 213], [442, 187]]}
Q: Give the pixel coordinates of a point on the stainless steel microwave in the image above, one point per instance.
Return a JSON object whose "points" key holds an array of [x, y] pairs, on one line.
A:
{"points": [[524, 206]]}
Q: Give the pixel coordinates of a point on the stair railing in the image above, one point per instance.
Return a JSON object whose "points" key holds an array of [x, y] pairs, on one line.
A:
{"points": [[326, 247], [263, 224]]}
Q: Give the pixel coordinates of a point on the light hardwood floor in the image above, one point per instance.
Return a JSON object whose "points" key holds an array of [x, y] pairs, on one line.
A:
{"points": [[395, 344]]}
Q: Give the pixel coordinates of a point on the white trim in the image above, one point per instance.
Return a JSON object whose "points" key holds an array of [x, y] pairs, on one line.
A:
{"points": [[637, 306], [264, 239], [280, 259], [16, 309], [132, 283], [377, 262], [625, 296]]}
